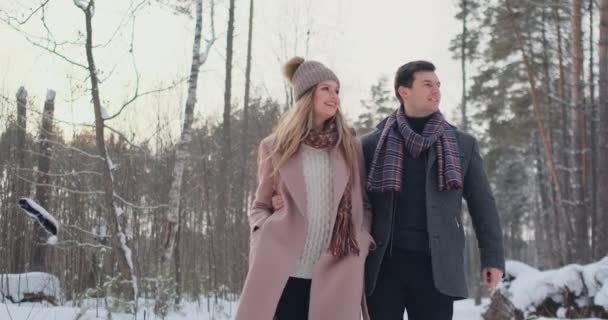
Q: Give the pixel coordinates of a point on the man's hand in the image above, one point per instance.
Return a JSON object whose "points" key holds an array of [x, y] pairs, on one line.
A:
{"points": [[277, 202], [491, 277]]}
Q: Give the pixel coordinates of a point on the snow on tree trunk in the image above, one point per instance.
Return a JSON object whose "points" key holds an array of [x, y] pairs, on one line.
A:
{"points": [[165, 285], [126, 278]]}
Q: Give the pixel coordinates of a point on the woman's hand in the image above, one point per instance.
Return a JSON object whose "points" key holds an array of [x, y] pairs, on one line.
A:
{"points": [[277, 202]]}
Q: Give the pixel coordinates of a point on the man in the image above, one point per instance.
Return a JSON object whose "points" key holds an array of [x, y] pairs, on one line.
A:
{"points": [[419, 168]]}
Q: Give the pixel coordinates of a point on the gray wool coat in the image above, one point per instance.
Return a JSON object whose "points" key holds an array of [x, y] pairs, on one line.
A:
{"points": [[444, 219]]}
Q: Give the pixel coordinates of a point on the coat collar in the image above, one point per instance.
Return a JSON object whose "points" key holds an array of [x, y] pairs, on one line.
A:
{"points": [[292, 175]]}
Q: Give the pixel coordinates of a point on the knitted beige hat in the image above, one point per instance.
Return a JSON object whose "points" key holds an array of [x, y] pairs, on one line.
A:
{"points": [[305, 74]]}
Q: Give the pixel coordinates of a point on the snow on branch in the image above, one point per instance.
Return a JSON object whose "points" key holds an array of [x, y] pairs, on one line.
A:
{"points": [[38, 213], [84, 5]]}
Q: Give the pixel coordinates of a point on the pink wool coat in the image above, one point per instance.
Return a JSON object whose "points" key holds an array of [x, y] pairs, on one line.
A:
{"points": [[337, 284]]}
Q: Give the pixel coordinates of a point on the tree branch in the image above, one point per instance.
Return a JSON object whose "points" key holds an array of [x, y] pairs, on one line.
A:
{"points": [[116, 196], [40, 7], [58, 187], [139, 95]]}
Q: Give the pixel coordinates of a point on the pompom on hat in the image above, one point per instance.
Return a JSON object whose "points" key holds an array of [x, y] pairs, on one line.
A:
{"points": [[305, 74]]}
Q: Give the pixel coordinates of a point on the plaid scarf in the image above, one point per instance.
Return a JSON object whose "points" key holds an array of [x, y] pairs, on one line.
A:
{"points": [[343, 241], [387, 165]]}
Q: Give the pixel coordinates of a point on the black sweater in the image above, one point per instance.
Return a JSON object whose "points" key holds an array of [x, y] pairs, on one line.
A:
{"points": [[410, 227]]}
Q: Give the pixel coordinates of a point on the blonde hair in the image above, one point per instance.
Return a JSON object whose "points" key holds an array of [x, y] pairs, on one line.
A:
{"points": [[295, 126]]}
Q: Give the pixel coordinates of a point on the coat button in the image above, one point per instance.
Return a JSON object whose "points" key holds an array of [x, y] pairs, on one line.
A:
{"points": [[380, 243]]}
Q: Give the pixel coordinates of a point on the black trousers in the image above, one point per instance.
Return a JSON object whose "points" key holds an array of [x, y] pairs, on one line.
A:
{"points": [[405, 282], [294, 301]]}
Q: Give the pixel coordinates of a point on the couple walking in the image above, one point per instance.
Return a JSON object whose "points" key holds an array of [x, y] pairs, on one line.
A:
{"points": [[344, 228]]}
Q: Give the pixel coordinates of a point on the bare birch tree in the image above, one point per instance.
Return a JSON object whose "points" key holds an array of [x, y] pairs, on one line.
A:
{"points": [[182, 156]]}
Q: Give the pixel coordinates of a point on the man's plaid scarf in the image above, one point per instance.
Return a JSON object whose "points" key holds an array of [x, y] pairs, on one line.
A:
{"points": [[387, 165]]}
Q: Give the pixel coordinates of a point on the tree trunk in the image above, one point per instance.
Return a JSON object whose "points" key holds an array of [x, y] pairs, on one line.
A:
{"points": [[166, 286], [562, 152], [463, 63], [593, 134], [20, 185], [548, 255], [544, 232], [223, 211], [580, 246], [547, 148], [38, 256], [245, 155], [177, 261], [602, 191], [116, 218]]}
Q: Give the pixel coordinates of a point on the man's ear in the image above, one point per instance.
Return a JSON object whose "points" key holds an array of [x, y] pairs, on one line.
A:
{"points": [[403, 92]]}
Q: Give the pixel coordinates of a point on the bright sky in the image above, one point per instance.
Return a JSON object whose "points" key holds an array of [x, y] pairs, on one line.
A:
{"points": [[361, 40]]}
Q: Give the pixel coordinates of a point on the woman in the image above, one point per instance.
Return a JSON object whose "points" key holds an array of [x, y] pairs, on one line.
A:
{"points": [[306, 259]]}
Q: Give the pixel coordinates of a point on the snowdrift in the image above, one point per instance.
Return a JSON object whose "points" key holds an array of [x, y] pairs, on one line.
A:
{"points": [[573, 291]]}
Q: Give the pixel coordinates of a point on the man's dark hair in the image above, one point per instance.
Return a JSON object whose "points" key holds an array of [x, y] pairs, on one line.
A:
{"points": [[405, 74]]}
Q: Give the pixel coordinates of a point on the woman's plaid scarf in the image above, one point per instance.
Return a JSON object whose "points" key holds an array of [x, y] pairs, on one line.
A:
{"points": [[343, 241], [387, 165]]}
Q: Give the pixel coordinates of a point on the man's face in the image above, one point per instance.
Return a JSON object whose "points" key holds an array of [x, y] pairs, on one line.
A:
{"points": [[423, 97]]}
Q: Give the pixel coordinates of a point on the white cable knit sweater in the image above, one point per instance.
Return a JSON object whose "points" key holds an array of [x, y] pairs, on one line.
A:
{"points": [[319, 199]]}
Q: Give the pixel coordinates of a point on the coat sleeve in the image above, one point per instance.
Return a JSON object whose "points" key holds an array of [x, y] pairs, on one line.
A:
{"points": [[483, 211], [367, 208], [261, 208]]}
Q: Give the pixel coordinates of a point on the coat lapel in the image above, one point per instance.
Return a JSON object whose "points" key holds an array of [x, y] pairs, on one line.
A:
{"points": [[292, 174], [340, 176]]}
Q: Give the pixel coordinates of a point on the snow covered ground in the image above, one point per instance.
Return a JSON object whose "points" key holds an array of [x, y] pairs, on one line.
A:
{"points": [[93, 310], [206, 310], [528, 287], [17, 285]]}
